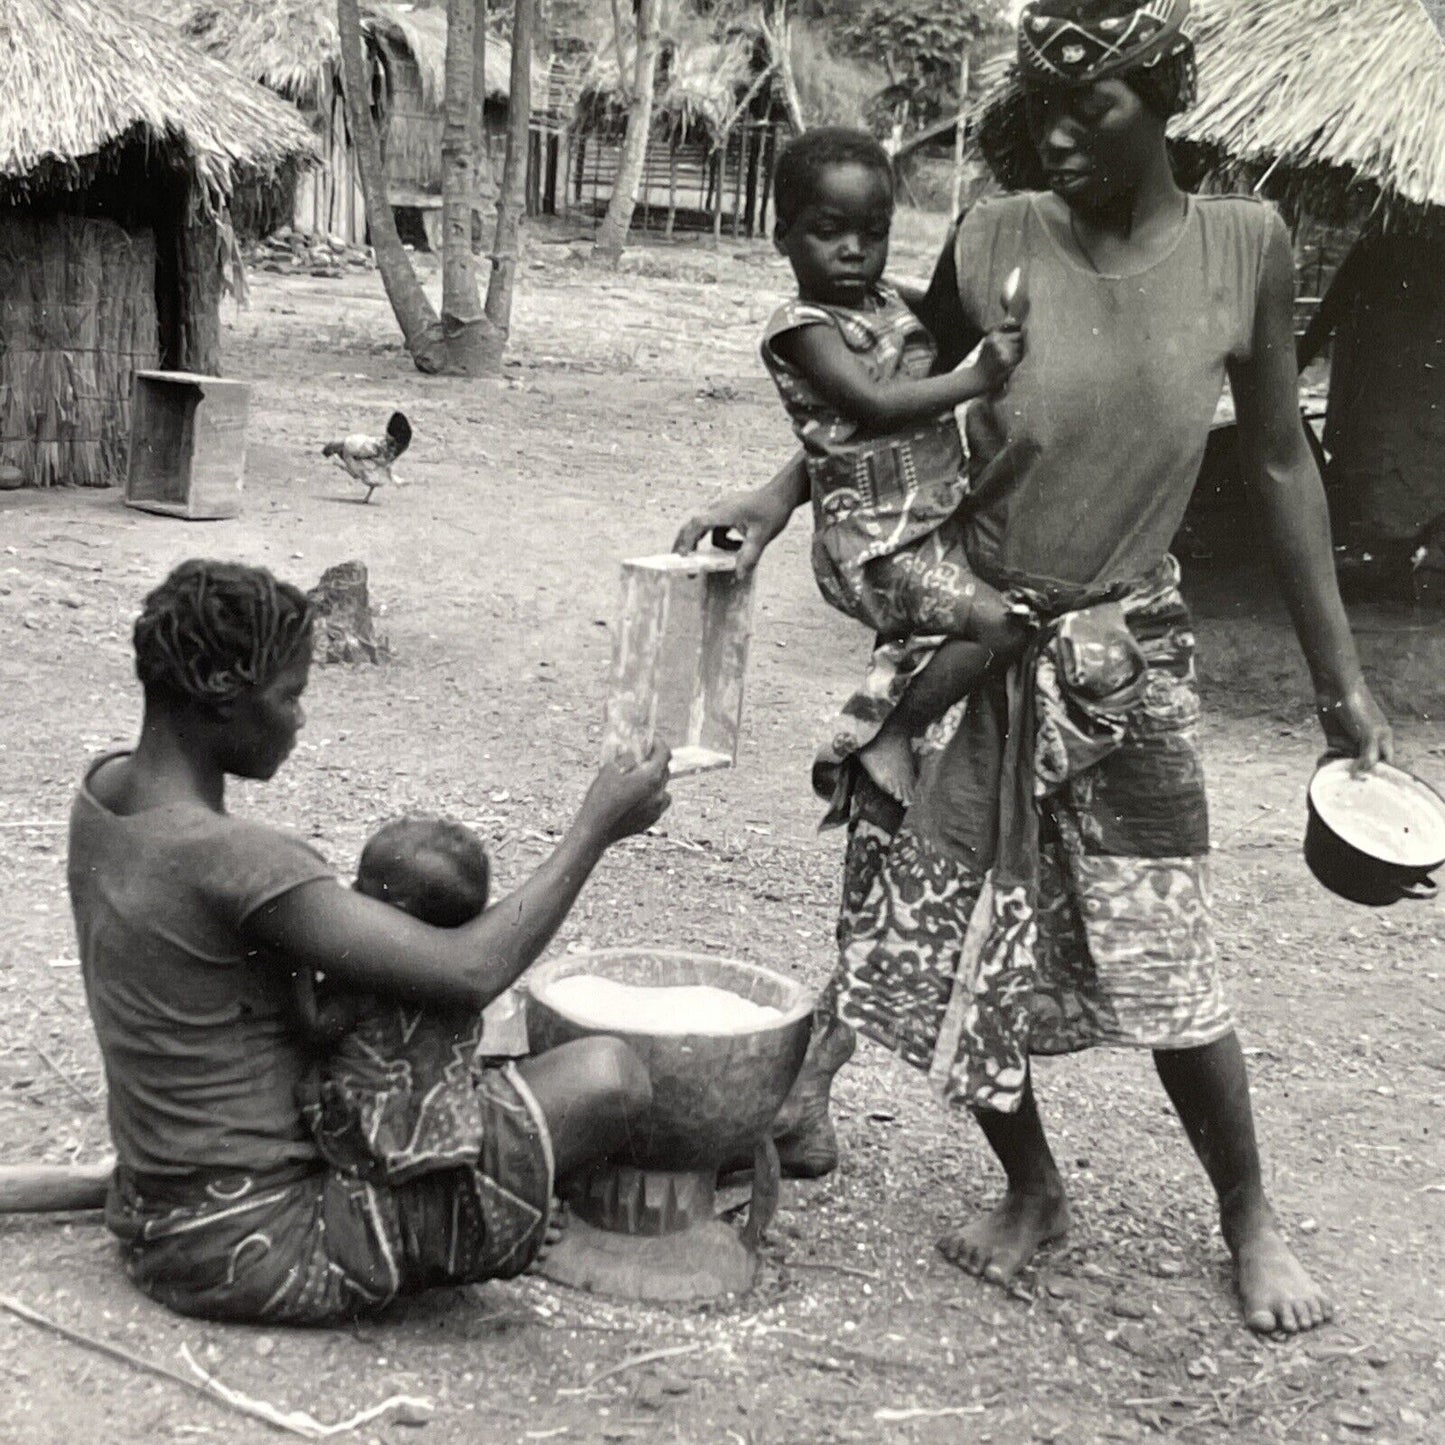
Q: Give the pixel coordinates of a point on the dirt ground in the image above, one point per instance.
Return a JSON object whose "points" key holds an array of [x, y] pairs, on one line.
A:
{"points": [[631, 397]]}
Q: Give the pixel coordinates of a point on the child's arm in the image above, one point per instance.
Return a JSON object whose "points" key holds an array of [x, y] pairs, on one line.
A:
{"points": [[822, 356]]}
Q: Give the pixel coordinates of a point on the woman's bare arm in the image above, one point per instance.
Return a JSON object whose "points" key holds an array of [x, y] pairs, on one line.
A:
{"points": [[1290, 496], [371, 946], [758, 516], [940, 309]]}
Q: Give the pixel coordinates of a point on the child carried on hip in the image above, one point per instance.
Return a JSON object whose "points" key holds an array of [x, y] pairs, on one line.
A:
{"points": [[855, 370]]}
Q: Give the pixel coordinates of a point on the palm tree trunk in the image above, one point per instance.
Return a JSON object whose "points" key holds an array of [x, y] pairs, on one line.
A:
{"points": [[778, 32], [612, 235], [481, 152], [420, 328], [512, 201], [463, 324], [671, 184]]}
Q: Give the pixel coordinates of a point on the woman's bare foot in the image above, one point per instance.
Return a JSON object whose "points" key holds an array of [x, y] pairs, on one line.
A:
{"points": [[889, 761], [997, 1246], [1276, 1293]]}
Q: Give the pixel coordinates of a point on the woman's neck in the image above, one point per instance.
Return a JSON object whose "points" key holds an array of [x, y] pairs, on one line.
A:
{"points": [[1129, 233], [168, 767], [1155, 201]]}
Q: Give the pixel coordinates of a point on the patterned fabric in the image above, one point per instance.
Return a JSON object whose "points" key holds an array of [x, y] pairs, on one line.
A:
{"points": [[1049, 891], [313, 1247], [836, 768], [878, 499], [1063, 50], [397, 1096]]}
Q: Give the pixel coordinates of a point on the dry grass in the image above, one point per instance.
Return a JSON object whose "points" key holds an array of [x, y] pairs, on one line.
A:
{"points": [[292, 47], [84, 78], [1325, 86]]}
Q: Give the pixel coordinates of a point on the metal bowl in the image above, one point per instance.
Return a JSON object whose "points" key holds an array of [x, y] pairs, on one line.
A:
{"points": [[1374, 837]]}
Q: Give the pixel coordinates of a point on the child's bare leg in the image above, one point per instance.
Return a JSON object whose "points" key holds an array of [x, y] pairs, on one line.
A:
{"points": [[985, 631], [950, 674]]}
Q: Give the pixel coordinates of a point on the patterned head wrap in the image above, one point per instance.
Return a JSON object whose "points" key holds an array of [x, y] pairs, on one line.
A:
{"points": [[1069, 49], [213, 630], [1147, 47]]}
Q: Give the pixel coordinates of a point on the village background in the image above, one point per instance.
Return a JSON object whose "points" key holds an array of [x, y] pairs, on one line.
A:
{"points": [[615, 396]]}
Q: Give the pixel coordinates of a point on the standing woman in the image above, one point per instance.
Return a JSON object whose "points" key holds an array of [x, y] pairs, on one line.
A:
{"points": [[1073, 787]]}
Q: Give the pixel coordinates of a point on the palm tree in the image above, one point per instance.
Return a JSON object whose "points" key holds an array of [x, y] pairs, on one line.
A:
{"points": [[420, 326], [612, 234], [465, 339]]}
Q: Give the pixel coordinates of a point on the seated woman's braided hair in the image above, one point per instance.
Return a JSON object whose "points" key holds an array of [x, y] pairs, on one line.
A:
{"points": [[213, 630]]}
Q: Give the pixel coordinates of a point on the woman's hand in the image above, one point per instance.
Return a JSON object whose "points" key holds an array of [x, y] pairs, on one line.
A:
{"points": [[757, 516], [1356, 726], [623, 801], [741, 512]]}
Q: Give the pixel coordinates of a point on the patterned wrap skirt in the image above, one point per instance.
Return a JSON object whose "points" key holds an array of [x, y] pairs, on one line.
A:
{"points": [[314, 1245], [1049, 891]]}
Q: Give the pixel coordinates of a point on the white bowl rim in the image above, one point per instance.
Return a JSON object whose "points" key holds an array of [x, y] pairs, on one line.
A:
{"points": [[536, 979], [1424, 858]]}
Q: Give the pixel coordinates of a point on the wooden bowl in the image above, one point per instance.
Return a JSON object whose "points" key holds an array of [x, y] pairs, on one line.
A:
{"points": [[713, 1095]]}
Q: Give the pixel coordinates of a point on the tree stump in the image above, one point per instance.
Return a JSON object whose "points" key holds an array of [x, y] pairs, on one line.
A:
{"points": [[345, 628]]}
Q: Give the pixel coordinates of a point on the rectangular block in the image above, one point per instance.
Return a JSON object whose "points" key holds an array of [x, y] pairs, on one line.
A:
{"points": [[187, 445], [679, 660]]}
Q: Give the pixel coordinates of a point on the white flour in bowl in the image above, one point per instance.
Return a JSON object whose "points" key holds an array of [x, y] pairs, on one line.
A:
{"points": [[692, 1008]]}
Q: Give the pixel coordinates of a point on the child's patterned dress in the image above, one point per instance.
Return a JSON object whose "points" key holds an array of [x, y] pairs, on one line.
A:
{"points": [[883, 549]]}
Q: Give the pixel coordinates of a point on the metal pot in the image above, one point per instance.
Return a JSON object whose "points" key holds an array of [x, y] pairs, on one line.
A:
{"points": [[1374, 837]]}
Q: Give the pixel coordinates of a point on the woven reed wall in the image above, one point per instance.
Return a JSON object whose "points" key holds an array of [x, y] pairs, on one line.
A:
{"points": [[77, 316], [413, 133]]}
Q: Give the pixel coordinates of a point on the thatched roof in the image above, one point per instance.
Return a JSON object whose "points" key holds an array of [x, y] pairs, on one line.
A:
{"points": [[293, 47], [85, 79], [1331, 90], [702, 83]]}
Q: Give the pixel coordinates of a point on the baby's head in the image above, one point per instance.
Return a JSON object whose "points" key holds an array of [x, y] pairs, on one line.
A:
{"points": [[833, 191], [433, 869]]}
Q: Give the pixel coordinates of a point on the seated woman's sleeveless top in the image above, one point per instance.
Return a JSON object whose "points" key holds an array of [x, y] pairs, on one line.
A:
{"points": [[1095, 446]]}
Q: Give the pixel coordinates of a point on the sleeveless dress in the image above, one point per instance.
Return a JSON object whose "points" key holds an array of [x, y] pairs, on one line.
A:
{"points": [[883, 553], [1049, 891]]}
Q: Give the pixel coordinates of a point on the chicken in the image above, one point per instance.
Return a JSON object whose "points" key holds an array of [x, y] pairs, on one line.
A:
{"points": [[367, 458]]}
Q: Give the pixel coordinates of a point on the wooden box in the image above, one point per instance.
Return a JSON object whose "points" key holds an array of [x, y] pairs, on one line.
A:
{"points": [[187, 444], [679, 656]]}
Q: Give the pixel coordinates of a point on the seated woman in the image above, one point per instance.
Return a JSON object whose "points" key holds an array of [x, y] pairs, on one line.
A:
{"points": [[192, 926]]}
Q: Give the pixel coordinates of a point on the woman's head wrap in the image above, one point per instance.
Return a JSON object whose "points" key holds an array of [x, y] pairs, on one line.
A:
{"points": [[1070, 44], [213, 630]]}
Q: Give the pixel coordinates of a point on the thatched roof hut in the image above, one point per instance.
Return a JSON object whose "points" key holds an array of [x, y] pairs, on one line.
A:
{"points": [[120, 149], [293, 47], [716, 123], [1336, 101], [697, 88]]}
